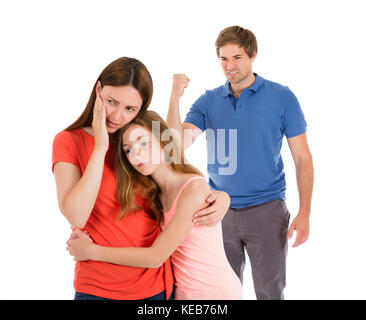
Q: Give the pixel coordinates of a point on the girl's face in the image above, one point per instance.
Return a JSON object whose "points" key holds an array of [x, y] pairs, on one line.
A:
{"points": [[122, 105], [142, 149]]}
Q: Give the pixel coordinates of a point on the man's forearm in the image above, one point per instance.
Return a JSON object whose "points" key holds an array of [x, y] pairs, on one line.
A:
{"points": [[173, 117], [305, 182]]}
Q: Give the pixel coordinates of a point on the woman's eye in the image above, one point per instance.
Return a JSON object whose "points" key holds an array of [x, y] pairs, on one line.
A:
{"points": [[127, 151], [130, 109], [110, 101]]}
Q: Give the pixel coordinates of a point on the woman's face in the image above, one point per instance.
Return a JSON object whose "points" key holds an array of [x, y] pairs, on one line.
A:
{"points": [[142, 149], [122, 105]]}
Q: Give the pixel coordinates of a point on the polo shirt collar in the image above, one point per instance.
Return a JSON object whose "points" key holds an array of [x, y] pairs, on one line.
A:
{"points": [[254, 87]]}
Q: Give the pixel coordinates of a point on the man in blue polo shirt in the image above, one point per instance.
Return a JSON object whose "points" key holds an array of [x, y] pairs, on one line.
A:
{"points": [[254, 114]]}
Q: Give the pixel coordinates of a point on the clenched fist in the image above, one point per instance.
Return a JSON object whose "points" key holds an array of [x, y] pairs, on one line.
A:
{"points": [[180, 82]]}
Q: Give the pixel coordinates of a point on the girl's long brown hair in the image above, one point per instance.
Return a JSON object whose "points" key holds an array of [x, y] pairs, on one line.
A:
{"points": [[123, 71], [130, 181]]}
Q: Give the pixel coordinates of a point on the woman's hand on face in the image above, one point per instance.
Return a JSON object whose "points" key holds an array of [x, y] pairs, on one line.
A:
{"points": [[80, 245], [218, 204], [99, 125]]}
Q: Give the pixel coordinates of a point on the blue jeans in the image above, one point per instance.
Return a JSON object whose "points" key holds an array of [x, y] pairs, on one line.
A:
{"points": [[85, 296]]}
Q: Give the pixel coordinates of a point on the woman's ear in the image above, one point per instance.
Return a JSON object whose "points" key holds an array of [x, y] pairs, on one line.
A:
{"points": [[98, 88]]}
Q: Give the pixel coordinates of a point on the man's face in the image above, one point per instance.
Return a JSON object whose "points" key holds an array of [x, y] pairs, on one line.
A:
{"points": [[235, 63]]}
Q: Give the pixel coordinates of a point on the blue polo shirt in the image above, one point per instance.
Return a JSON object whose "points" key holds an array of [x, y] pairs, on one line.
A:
{"points": [[244, 138]]}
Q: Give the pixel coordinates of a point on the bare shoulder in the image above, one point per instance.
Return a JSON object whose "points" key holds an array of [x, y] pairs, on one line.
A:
{"points": [[195, 194], [197, 185]]}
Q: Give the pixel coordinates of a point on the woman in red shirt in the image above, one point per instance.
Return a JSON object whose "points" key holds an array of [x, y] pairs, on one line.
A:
{"points": [[86, 183]]}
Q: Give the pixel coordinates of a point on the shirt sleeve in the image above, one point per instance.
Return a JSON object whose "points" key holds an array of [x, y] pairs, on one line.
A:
{"points": [[197, 113], [64, 149], [293, 119]]}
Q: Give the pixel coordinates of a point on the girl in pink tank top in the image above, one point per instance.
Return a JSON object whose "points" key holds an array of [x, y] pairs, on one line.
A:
{"points": [[200, 266]]}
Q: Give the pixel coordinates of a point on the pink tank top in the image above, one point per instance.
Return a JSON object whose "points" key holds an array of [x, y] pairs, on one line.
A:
{"points": [[200, 266]]}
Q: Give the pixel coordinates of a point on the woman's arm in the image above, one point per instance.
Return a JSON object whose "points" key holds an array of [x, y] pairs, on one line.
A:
{"points": [[218, 204], [191, 200], [76, 194]]}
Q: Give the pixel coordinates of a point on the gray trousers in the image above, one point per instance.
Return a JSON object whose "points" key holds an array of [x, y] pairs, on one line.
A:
{"points": [[262, 231]]}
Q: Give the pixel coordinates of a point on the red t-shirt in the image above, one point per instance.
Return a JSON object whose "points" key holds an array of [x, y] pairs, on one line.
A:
{"points": [[133, 230]]}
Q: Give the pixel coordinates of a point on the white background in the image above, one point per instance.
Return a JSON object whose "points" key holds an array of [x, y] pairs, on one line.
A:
{"points": [[53, 51]]}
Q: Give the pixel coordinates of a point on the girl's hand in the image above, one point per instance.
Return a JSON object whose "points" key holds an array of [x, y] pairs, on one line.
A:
{"points": [[99, 125], [219, 203], [80, 245]]}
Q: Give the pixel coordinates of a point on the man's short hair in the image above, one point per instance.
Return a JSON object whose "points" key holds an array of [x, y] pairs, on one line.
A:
{"points": [[235, 34]]}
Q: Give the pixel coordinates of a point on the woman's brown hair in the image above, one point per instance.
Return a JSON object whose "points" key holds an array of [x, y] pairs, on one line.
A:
{"points": [[123, 71], [130, 181], [235, 34]]}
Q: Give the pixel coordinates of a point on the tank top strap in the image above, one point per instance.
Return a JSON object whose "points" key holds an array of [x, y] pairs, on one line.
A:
{"points": [[181, 190]]}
